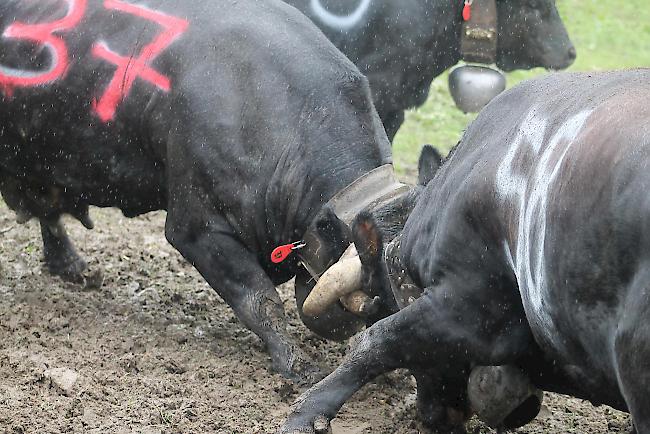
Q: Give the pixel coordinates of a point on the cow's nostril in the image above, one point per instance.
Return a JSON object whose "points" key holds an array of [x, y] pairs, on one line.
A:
{"points": [[572, 53]]}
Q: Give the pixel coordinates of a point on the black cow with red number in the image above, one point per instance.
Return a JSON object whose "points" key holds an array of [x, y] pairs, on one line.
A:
{"points": [[240, 119]]}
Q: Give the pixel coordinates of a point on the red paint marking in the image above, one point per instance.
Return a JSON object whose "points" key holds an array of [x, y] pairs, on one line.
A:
{"points": [[43, 34], [130, 68]]}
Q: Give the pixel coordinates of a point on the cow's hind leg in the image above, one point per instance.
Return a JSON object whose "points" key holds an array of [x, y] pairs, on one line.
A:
{"points": [[632, 351], [61, 258], [436, 331]]}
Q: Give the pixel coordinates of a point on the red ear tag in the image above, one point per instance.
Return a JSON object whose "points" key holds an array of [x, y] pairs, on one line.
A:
{"points": [[467, 10], [281, 253]]}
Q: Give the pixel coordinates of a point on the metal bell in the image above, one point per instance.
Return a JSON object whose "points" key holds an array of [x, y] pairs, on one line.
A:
{"points": [[472, 86]]}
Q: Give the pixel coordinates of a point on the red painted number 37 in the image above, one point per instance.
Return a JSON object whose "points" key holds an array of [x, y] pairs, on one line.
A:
{"points": [[128, 69]]}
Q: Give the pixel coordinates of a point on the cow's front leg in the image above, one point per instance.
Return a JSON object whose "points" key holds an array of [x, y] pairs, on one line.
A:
{"points": [[435, 332], [61, 258], [403, 340], [233, 271]]}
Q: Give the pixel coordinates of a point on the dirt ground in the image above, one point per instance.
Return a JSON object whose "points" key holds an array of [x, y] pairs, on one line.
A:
{"points": [[155, 350]]}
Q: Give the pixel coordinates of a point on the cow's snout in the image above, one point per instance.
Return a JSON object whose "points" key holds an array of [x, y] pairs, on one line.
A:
{"points": [[569, 57], [560, 58]]}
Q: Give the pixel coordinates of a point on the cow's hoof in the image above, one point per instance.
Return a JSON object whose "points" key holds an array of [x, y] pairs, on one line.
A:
{"points": [[71, 270], [77, 272], [439, 419], [93, 279], [303, 372], [294, 365], [297, 424], [443, 428]]}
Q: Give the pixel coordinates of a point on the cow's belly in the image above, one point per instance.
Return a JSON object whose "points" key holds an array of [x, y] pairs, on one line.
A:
{"points": [[110, 169], [576, 338]]}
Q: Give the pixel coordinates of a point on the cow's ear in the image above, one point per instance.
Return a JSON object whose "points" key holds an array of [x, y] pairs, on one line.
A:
{"points": [[367, 238], [429, 163]]}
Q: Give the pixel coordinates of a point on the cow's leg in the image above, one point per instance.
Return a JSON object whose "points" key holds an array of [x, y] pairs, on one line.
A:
{"points": [[632, 349], [233, 271], [60, 255], [437, 330], [442, 402]]}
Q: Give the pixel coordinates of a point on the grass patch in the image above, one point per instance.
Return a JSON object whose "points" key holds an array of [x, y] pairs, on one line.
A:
{"points": [[607, 35]]}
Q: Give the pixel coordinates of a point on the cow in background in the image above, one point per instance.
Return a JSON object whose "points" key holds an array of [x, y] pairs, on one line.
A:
{"points": [[401, 46]]}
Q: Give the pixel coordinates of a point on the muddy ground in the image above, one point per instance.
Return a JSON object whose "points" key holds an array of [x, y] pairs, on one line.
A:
{"points": [[155, 350]]}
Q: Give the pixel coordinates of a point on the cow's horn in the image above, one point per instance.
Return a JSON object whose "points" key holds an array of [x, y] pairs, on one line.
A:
{"points": [[340, 279], [360, 304]]}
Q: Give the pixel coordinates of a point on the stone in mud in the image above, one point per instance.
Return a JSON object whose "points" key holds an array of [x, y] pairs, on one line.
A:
{"points": [[62, 379]]}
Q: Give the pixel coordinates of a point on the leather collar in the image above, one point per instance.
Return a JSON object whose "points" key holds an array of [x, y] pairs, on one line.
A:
{"points": [[478, 39], [371, 190], [404, 289]]}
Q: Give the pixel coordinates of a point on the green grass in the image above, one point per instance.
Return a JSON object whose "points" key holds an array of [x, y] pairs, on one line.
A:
{"points": [[608, 34]]}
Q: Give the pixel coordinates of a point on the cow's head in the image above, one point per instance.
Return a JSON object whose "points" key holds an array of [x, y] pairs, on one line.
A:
{"points": [[532, 34], [359, 280]]}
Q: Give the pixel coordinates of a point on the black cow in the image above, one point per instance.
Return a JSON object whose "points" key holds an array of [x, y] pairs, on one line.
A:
{"points": [[401, 46], [532, 246], [240, 119]]}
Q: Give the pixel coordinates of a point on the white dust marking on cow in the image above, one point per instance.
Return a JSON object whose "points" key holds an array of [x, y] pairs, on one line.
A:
{"points": [[530, 196], [342, 22]]}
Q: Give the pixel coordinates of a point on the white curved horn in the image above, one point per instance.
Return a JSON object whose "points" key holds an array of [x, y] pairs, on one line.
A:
{"points": [[359, 303], [339, 280]]}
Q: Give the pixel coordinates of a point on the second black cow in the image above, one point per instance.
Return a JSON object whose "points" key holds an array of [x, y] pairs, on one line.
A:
{"points": [[401, 46], [531, 249]]}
